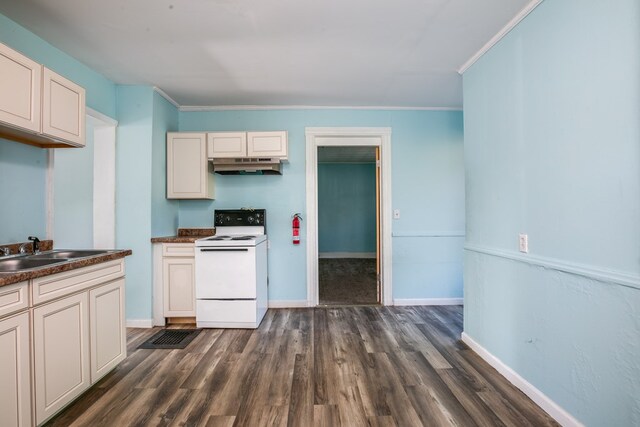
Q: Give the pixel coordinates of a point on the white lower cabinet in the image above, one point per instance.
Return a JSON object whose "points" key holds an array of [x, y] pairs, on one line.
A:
{"points": [[179, 287], [107, 328], [15, 371], [78, 333], [61, 353]]}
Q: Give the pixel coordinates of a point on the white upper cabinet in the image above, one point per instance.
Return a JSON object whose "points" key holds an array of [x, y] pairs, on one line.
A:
{"points": [[226, 144], [222, 145], [63, 108], [267, 144], [188, 170], [38, 106], [20, 85]]}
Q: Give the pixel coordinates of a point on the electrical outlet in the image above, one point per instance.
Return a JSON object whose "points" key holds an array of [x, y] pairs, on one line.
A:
{"points": [[523, 243], [396, 214]]}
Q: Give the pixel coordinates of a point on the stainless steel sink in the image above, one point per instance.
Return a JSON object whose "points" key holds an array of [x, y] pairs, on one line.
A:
{"points": [[68, 254], [26, 263], [30, 262]]}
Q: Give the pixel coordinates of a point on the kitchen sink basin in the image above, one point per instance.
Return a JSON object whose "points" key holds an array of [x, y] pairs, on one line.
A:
{"points": [[68, 254], [19, 264], [31, 262]]}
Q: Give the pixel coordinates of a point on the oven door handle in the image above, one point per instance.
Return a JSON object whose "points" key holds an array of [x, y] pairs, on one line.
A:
{"points": [[224, 250]]}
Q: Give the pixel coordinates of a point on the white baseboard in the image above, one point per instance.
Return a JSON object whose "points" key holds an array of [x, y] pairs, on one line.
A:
{"points": [[288, 303], [139, 323], [428, 301], [552, 408], [347, 255]]}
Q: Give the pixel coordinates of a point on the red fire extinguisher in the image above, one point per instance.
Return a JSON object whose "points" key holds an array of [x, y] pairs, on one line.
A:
{"points": [[295, 224]]}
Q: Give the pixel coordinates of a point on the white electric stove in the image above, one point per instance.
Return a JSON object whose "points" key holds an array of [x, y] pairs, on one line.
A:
{"points": [[231, 271]]}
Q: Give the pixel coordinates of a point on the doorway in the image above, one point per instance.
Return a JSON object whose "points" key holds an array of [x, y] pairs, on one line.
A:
{"points": [[348, 226], [81, 188], [376, 140]]}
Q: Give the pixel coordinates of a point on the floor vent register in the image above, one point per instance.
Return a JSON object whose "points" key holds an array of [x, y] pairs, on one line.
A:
{"points": [[170, 339]]}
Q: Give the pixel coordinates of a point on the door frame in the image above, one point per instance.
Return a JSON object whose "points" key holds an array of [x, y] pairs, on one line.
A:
{"points": [[344, 137], [104, 139]]}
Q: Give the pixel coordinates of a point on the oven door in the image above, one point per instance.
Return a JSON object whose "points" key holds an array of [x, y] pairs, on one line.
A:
{"points": [[226, 272]]}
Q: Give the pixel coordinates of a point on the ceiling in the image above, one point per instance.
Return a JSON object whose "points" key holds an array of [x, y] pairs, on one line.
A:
{"points": [[359, 53]]}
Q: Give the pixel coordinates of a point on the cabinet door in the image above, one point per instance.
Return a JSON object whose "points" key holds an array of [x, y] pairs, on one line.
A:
{"points": [[19, 90], [267, 144], [226, 144], [15, 371], [188, 175], [179, 287], [107, 324], [63, 109], [61, 353]]}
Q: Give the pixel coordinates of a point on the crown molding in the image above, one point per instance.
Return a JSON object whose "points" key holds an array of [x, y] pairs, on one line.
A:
{"points": [[307, 107], [500, 34], [166, 96]]}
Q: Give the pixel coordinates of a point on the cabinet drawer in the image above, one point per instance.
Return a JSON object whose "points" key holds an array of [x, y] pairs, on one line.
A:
{"points": [[178, 249], [14, 298], [58, 285]]}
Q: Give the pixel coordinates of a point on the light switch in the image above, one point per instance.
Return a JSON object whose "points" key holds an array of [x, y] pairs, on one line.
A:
{"points": [[524, 243], [396, 214]]}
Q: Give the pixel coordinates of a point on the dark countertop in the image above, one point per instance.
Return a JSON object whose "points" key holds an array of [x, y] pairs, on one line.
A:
{"points": [[186, 235], [10, 278]]}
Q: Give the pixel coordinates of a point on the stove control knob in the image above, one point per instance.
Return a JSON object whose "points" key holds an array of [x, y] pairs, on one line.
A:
{"points": [[228, 219], [250, 220]]}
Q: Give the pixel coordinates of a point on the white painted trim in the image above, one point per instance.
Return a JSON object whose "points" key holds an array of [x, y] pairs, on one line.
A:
{"points": [[98, 119], [139, 323], [500, 34], [337, 136], [158, 286], [308, 107], [49, 201], [431, 234], [601, 274], [428, 301], [104, 185], [347, 255], [287, 303], [167, 97], [542, 400]]}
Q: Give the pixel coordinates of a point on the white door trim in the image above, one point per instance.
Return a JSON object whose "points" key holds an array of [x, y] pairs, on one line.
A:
{"points": [[376, 137], [104, 179]]}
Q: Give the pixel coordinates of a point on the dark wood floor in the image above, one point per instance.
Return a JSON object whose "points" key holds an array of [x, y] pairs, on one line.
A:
{"points": [[347, 366]]}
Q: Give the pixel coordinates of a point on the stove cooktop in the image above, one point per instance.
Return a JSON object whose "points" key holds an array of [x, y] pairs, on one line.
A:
{"points": [[232, 240]]}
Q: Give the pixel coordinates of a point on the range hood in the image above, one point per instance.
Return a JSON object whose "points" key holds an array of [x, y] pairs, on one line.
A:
{"points": [[247, 166]]}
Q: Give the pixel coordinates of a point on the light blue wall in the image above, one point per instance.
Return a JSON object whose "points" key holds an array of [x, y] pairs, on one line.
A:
{"points": [[73, 196], [347, 207], [164, 212], [22, 197], [552, 149], [427, 181], [133, 194]]}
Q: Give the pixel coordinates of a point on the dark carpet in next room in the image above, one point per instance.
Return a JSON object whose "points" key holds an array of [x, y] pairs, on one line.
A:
{"points": [[346, 281]]}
